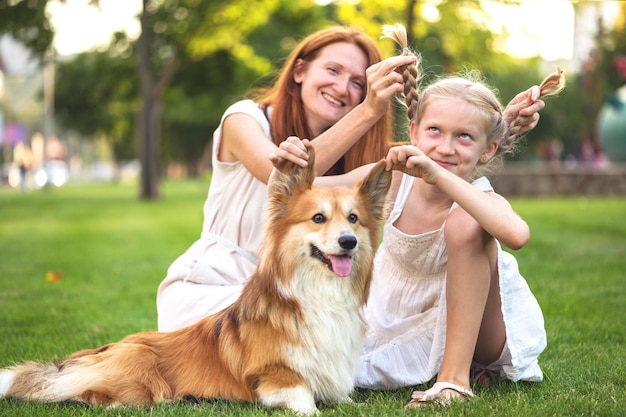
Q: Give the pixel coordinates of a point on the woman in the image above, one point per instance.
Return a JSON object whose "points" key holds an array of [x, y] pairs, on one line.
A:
{"points": [[333, 88]]}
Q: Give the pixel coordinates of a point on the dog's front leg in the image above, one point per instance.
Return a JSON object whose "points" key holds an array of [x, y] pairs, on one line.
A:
{"points": [[345, 400], [298, 398], [278, 386]]}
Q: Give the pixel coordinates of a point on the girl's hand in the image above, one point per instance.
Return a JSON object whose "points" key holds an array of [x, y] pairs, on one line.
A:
{"points": [[522, 113], [291, 149], [411, 160], [384, 79]]}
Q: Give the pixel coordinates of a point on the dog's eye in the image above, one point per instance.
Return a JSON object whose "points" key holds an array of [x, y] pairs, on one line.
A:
{"points": [[352, 218], [319, 218]]}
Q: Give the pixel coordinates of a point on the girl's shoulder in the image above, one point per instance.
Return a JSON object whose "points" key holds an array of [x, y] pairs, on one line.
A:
{"points": [[483, 184]]}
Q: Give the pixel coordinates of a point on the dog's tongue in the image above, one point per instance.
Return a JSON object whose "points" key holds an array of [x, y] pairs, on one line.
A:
{"points": [[342, 265]]}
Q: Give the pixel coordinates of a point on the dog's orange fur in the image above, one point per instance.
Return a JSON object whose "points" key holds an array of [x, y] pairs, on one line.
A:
{"points": [[274, 344]]}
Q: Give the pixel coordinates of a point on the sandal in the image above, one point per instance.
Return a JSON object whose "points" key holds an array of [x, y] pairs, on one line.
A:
{"points": [[441, 393]]}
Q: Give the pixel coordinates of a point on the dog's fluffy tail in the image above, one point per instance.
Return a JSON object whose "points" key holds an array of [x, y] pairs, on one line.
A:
{"points": [[44, 382], [125, 373]]}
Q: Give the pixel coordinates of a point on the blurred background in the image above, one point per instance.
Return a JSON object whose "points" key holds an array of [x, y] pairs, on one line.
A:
{"points": [[131, 90]]}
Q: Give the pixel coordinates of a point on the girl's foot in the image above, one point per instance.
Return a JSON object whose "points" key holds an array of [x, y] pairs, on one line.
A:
{"points": [[441, 393]]}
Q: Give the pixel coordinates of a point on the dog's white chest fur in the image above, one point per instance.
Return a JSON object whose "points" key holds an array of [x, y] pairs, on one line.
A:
{"points": [[331, 333]]}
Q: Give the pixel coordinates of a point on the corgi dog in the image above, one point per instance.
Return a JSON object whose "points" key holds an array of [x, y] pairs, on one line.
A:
{"points": [[291, 340]]}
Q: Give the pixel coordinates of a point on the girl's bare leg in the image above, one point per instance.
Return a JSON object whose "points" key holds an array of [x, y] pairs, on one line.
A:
{"points": [[475, 327]]}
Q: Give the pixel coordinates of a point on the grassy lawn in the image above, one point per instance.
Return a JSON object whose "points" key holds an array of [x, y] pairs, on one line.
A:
{"points": [[111, 251]]}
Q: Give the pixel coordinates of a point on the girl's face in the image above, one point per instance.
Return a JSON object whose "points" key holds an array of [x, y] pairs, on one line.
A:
{"points": [[453, 133], [332, 84]]}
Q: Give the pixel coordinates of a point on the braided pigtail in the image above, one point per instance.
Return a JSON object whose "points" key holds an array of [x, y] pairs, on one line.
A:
{"points": [[410, 73], [551, 85]]}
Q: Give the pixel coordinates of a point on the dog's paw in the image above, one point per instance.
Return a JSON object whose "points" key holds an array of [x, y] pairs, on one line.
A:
{"points": [[298, 399], [345, 400]]}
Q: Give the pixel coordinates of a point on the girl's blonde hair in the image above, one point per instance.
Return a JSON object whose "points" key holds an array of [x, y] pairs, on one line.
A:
{"points": [[471, 88], [285, 99]]}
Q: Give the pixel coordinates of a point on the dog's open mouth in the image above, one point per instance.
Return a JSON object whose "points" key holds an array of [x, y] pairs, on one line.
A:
{"points": [[341, 265]]}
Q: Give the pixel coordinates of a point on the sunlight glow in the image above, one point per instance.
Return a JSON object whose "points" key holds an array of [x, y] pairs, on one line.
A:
{"points": [[80, 27], [536, 27], [430, 12]]}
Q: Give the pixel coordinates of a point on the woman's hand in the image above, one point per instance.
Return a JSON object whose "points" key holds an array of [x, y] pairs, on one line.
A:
{"points": [[522, 113], [411, 160], [384, 80], [291, 149]]}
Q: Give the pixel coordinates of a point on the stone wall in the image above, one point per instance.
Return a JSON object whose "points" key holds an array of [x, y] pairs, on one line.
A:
{"points": [[546, 180]]}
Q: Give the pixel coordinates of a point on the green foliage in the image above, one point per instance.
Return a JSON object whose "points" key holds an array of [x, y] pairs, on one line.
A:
{"points": [[97, 94], [222, 48], [113, 252], [289, 23], [27, 22]]}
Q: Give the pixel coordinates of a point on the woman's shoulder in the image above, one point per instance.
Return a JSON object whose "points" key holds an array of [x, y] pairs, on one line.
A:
{"points": [[252, 109], [244, 106]]}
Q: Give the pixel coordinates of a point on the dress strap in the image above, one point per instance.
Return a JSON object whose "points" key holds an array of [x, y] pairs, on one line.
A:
{"points": [[404, 190], [482, 184], [219, 239]]}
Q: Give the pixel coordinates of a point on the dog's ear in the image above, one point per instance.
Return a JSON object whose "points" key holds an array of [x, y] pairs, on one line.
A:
{"points": [[374, 187], [286, 180], [289, 178]]}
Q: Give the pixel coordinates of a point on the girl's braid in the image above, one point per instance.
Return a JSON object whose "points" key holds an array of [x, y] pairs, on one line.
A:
{"points": [[551, 85], [410, 73]]}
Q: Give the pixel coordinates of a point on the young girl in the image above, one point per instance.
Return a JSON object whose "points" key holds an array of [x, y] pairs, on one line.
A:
{"points": [[445, 298]]}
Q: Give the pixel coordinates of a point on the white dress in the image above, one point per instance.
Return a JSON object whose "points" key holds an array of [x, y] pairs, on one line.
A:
{"points": [[406, 311], [210, 275]]}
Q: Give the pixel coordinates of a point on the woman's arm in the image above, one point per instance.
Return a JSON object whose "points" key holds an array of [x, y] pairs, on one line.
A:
{"points": [[383, 82], [349, 179], [243, 139], [295, 150]]}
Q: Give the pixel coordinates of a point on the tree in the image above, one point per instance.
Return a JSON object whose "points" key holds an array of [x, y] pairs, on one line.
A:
{"points": [[96, 94], [173, 31], [194, 78]]}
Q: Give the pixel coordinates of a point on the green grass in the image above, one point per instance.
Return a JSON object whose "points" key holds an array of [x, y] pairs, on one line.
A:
{"points": [[113, 251]]}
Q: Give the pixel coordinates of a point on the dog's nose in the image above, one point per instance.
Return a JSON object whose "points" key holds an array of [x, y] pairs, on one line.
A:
{"points": [[347, 241]]}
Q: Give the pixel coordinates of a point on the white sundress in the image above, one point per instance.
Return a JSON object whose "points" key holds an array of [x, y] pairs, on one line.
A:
{"points": [[406, 310], [210, 275]]}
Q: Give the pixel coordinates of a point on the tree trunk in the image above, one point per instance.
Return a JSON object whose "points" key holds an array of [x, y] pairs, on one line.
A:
{"points": [[149, 116], [410, 21]]}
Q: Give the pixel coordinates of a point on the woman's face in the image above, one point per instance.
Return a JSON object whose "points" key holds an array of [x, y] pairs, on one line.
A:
{"points": [[332, 84]]}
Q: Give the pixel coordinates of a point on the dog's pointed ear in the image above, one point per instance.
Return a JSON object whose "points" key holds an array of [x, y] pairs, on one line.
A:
{"points": [[375, 187], [288, 179]]}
